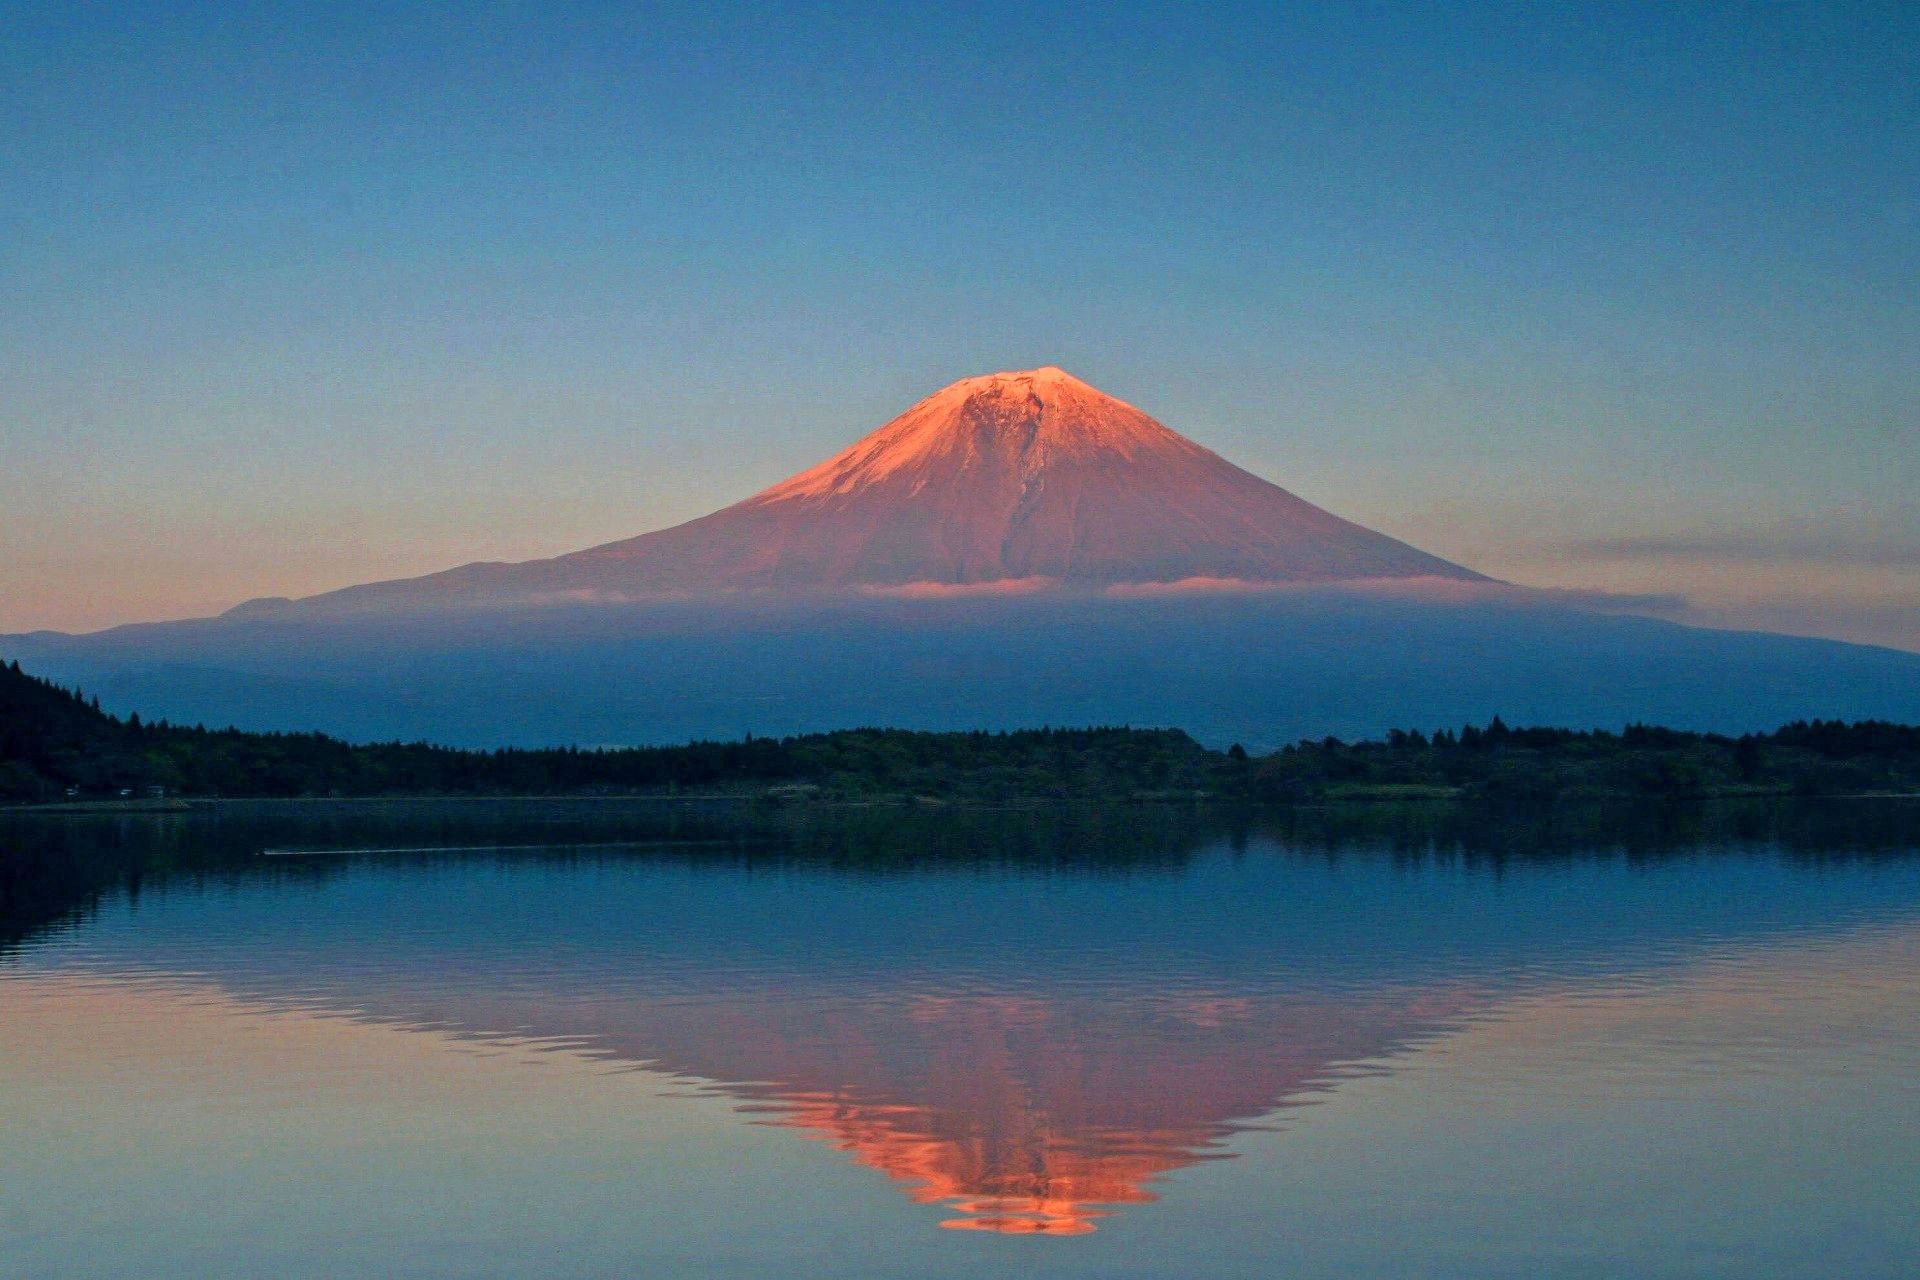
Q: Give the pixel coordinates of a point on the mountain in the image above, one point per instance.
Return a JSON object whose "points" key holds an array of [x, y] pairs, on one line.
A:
{"points": [[997, 557], [1030, 478], [1258, 668]]}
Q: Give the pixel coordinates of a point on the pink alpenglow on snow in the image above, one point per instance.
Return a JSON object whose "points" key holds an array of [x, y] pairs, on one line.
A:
{"points": [[1011, 481]]}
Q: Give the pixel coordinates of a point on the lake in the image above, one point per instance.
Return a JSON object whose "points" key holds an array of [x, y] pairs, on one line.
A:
{"points": [[608, 1038]]}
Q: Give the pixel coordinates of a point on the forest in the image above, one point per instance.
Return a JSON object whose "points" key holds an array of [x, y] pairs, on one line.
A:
{"points": [[58, 746]]}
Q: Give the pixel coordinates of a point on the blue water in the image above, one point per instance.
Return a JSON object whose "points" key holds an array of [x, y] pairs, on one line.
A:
{"points": [[572, 1041]]}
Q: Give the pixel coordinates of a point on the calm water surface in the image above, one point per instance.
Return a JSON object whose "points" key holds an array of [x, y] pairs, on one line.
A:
{"points": [[579, 1039]]}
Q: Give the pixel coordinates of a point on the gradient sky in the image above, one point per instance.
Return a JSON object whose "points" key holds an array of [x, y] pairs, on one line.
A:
{"points": [[1614, 296]]}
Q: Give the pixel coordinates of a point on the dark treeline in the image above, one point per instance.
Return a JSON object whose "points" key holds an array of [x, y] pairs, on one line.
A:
{"points": [[55, 744], [1815, 757], [53, 741]]}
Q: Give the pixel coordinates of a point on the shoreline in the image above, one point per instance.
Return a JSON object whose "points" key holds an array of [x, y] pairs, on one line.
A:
{"points": [[1389, 795]]}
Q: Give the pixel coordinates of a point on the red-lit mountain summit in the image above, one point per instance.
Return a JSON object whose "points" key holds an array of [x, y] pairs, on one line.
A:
{"points": [[1030, 477]]}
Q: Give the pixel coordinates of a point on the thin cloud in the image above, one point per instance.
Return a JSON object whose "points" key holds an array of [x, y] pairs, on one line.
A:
{"points": [[1426, 589], [950, 590], [1837, 548]]}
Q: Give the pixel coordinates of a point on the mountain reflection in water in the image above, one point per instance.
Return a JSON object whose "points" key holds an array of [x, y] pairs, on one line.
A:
{"points": [[1028, 1020], [1026, 1115]]}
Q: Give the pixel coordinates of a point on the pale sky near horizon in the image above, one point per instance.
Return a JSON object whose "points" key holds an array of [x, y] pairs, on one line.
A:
{"points": [[1617, 296]]}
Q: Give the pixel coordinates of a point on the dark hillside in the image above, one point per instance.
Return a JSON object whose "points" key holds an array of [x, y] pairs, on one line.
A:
{"points": [[49, 734]]}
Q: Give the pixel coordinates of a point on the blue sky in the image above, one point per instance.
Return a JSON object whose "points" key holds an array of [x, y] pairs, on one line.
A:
{"points": [[1620, 296]]}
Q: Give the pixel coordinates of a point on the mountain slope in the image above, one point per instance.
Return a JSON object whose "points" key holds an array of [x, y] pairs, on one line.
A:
{"points": [[1031, 477], [1260, 668]]}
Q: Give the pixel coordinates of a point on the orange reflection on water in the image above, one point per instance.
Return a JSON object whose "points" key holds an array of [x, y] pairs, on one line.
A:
{"points": [[1039, 1117], [1051, 1191]]}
